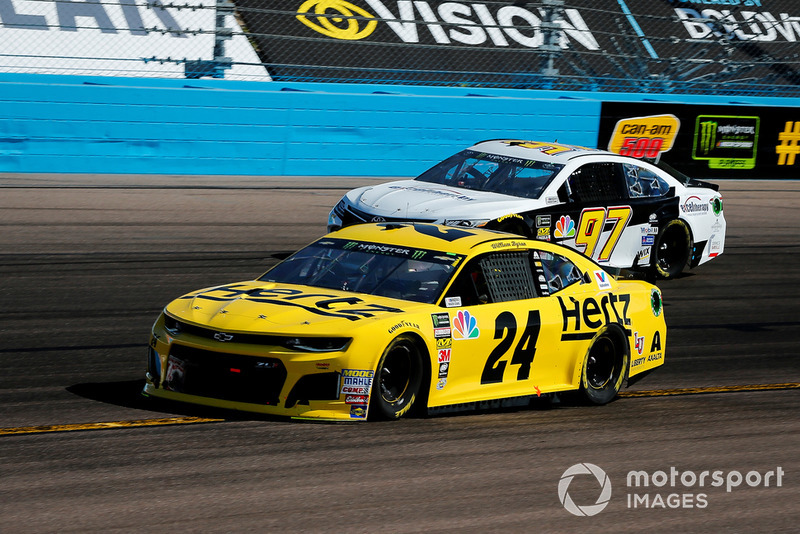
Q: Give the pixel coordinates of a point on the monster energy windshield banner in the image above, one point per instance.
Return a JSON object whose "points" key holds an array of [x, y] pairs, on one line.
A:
{"points": [[706, 141], [515, 43]]}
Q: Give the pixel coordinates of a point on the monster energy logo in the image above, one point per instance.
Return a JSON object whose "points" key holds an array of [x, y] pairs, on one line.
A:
{"points": [[351, 244], [417, 255], [708, 136]]}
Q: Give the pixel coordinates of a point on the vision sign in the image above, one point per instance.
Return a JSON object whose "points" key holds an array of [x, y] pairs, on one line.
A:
{"points": [[443, 23], [509, 42]]}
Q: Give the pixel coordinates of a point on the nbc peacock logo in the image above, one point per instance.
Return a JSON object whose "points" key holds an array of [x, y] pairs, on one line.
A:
{"points": [[465, 326], [565, 227]]}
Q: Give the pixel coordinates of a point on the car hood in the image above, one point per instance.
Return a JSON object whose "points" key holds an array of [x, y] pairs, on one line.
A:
{"points": [[267, 307], [421, 200]]}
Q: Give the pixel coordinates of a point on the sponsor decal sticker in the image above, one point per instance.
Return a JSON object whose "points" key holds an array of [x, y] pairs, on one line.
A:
{"points": [[452, 302], [440, 319], [361, 378], [694, 205], [655, 302], [465, 326], [440, 333], [355, 390], [565, 227], [582, 319], [444, 343], [358, 411], [639, 342], [603, 279]]}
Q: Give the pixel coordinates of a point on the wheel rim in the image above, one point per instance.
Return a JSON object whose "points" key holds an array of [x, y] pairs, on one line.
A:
{"points": [[395, 374], [600, 364], [672, 250]]}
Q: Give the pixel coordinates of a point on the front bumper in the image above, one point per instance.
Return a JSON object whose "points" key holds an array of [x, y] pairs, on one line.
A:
{"points": [[260, 378]]}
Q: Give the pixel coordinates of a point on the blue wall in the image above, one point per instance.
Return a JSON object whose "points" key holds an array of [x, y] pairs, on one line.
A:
{"points": [[65, 124]]}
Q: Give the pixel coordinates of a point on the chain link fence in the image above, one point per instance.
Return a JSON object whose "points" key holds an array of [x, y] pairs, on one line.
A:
{"points": [[725, 47]]}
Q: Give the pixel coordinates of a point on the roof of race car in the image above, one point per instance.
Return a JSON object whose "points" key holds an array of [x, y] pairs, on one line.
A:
{"points": [[451, 239], [536, 150]]}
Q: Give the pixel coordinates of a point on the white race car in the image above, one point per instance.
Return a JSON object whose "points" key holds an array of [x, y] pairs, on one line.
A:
{"points": [[622, 212]]}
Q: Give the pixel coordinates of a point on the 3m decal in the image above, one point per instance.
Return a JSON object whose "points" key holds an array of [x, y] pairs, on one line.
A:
{"points": [[590, 229], [506, 331], [444, 362], [582, 319], [465, 326]]}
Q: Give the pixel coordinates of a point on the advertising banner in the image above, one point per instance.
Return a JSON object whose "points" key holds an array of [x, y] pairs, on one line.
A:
{"points": [[706, 141], [142, 38], [509, 41]]}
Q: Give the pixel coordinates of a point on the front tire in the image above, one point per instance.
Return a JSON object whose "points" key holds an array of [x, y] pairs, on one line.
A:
{"points": [[397, 380], [672, 249], [605, 368]]}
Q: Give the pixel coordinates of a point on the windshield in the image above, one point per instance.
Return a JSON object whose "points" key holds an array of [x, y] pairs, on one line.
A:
{"points": [[493, 173], [373, 268]]}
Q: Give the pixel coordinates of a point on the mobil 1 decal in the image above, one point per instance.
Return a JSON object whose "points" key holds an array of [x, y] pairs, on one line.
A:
{"points": [[706, 141]]}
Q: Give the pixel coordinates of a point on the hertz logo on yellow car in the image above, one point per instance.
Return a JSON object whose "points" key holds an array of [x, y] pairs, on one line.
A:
{"points": [[644, 137], [337, 19]]}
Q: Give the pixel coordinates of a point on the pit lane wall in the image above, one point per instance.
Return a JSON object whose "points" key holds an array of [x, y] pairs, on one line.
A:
{"points": [[79, 124]]}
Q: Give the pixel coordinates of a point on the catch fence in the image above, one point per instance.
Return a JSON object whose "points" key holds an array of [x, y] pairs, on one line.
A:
{"points": [[736, 47]]}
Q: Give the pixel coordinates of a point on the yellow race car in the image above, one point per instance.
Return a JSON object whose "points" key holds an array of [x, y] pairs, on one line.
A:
{"points": [[382, 320]]}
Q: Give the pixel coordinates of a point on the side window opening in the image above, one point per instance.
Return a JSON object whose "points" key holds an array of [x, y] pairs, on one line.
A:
{"points": [[556, 271], [500, 277], [508, 276], [643, 183], [594, 182]]}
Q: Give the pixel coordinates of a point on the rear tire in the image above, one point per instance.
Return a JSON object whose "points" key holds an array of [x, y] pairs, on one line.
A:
{"points": [[397, 380], [605, 368], [672, 250]]}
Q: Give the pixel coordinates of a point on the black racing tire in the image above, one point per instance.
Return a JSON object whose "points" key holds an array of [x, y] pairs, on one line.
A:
{"points": [[398, 379], [672, 250], [605, 368]]}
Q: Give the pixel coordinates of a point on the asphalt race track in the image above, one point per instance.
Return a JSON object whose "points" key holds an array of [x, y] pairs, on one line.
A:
{"points": [[86, 264]]}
